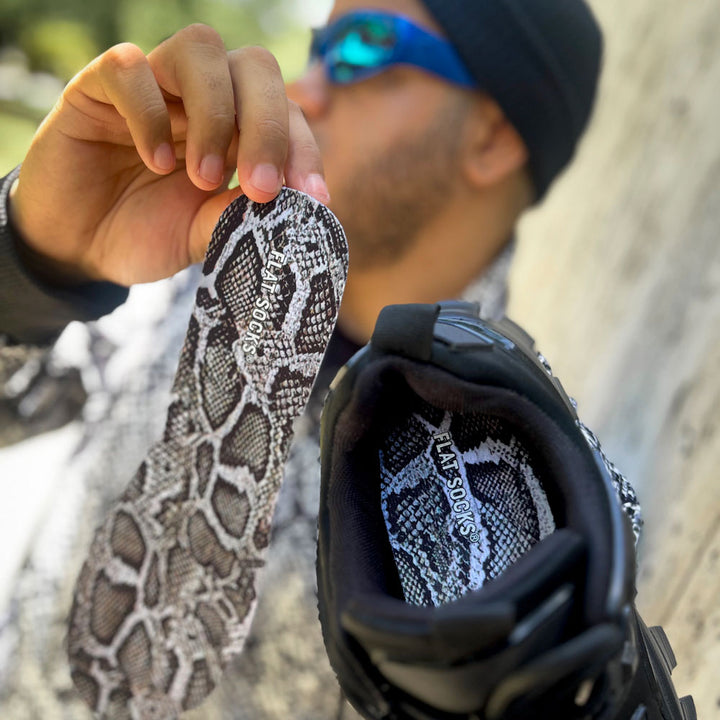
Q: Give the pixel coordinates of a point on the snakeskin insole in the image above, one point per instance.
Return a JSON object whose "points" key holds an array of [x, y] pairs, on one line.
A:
{"points": [[167, 593], [461, 502]]}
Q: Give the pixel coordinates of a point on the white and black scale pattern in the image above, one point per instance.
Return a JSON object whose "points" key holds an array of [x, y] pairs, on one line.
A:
{"points": [[166, 596], [625, 492], [461, 501]]}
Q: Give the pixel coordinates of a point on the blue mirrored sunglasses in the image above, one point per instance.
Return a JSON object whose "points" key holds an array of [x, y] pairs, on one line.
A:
{"points": [[361, 44]]}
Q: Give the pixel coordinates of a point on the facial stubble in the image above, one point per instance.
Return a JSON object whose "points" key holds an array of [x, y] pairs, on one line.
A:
{"points": [[393, 196]]}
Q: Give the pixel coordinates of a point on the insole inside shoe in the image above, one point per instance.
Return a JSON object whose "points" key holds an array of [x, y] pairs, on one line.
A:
{"points": [[461, 500]]}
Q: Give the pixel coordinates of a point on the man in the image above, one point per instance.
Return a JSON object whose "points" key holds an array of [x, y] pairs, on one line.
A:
{"points": [[126, 178], [148, 142]]}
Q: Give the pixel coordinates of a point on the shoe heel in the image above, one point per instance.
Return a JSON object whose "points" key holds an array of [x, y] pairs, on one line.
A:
{"points": [[662, 643], [688, 708]]}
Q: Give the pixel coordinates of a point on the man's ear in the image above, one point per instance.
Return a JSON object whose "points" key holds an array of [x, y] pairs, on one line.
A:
{"points": [[493, 148]]}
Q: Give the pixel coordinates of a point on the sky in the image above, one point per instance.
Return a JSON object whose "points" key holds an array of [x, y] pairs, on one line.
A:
{"points": [[312, 12]]}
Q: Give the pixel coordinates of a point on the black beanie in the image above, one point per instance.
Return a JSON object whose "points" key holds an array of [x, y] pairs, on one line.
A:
{"points": [[540, 60]]}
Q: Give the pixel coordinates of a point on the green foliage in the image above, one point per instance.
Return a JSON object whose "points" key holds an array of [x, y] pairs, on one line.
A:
{"points": [[61, 37], [20, 18], [147, 24], [60, 47], [16, 133]]}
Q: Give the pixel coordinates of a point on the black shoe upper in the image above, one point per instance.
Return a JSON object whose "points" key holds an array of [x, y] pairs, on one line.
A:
{"points": [[554, 635]]}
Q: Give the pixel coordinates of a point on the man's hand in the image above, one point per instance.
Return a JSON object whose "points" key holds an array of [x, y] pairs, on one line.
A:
{"points": [[127, 176]]}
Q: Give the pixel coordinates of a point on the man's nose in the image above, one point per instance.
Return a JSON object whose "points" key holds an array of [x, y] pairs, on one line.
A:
{"points": [[311, 91]]}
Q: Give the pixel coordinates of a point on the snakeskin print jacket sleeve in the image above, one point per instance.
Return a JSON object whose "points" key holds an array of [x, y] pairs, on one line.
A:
{"points": [[32, 315]]}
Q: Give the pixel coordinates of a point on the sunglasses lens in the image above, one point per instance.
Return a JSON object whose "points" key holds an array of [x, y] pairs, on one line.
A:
{"points": [[360, 45]]}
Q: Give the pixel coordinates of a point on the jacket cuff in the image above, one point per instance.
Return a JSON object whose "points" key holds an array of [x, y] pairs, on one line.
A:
{"points": [[33, 311]]}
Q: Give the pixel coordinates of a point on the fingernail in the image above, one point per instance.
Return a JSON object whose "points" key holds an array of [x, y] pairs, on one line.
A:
{"points": [[266, 178], [164, 157], [316, 186], [211, 169]]}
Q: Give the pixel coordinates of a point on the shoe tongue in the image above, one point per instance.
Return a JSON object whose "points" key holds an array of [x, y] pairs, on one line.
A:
{"points": [[509, 609]]}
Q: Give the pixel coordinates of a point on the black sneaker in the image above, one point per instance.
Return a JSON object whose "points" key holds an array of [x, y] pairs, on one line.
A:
{"points": [[475, 556]]}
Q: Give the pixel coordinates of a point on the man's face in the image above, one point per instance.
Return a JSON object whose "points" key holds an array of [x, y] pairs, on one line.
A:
{"points": [[390, 145]]}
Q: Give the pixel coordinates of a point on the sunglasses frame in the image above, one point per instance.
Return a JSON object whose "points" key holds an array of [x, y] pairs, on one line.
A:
{"points": [[414, 45]]}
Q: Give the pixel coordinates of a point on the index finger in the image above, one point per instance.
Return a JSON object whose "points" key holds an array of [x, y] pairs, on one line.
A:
{"points": [[192, 65]]}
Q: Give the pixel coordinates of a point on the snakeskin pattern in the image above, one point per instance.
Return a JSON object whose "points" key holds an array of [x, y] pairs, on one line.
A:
{"points": [[623, 489], [36, 393], [283, 671], [461, 502], [167, 594]]}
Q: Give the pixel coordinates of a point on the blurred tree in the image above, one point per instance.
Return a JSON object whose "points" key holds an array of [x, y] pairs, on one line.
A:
{"points": [[61, 37], [60, 47], [50, 33]]}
